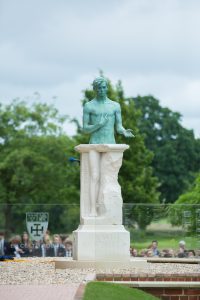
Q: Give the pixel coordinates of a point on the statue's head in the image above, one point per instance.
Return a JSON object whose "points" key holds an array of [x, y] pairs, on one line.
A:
{"points": [[100, 86]]}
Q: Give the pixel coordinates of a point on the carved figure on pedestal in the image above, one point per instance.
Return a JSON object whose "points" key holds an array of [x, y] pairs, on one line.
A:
{"points": [[100, 118], [101, 115]]}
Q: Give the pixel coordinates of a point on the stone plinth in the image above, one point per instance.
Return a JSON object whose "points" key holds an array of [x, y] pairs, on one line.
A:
{"points": [[101, 235], [101, 243]]}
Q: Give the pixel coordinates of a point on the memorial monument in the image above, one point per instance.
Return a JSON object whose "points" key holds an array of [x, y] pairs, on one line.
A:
{"points": [[101, 235]]}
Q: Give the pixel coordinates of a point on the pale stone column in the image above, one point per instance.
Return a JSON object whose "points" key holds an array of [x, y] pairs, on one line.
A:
{"points": [[101, 235]]}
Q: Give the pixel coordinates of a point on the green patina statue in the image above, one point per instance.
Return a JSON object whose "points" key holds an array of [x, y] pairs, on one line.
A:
{"points": [[101, 115]]}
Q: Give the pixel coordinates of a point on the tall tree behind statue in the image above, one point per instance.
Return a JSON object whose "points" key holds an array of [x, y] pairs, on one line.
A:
{"points": [[176, 151]]}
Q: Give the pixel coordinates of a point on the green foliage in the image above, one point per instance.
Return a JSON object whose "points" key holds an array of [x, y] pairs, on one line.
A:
{"points": [[136, 179], [176, 151], [165, 240], [193, 195], [111, 291], [34, 166], [186, 210]]}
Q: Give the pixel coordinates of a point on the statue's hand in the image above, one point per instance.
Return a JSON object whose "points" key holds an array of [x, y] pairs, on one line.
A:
{"points": [[104, 119], [128, 133]]}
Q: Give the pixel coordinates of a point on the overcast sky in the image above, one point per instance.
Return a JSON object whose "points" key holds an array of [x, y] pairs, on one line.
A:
{"points": [[56, 48]]}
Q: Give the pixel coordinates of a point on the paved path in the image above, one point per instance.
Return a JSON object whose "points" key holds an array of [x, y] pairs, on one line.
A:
{"points": [[38, 292]]}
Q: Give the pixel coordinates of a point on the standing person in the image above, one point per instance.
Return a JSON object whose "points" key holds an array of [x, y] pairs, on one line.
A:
{"points": [[36, 248], [46, 246], [182, 252], [57, 248], [43, 247], [14, 249], [154, 248], [68, 248], [26, 244], [3, 244]]}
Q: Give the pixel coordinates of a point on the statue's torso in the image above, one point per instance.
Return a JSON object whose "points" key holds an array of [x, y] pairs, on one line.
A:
{"points": [[104, 135]]}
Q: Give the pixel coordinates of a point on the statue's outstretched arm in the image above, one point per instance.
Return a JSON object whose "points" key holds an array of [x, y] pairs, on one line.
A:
{"points": [[120, 129], [88, 128]]}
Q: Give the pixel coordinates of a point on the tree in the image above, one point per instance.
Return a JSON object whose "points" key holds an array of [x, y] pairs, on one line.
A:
{"points": [[186, 210], [34, 166], [136, 179], [176, 151]]}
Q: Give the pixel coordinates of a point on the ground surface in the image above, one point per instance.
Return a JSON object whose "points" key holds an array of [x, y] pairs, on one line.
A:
{"points": [[35, 292], [38, 271], [41, 271], [36, 278]]}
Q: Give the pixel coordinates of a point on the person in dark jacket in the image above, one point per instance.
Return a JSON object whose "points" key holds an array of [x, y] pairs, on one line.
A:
{"points": [[14, 248], [4, 245], [57, 248], [26, 245]]}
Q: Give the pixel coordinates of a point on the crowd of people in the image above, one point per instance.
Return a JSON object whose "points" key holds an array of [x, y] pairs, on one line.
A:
{"points": [[22, 246], [153, 251], [61, 246]]}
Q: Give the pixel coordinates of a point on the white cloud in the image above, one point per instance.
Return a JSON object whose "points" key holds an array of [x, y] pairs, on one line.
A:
{"points": [[57, 47]]}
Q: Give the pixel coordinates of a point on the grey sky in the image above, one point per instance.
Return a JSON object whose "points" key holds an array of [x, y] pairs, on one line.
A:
{"points": [[56, 47]]}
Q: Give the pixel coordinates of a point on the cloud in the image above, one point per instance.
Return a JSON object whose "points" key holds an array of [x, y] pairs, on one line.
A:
{"points": [[56, 48]]}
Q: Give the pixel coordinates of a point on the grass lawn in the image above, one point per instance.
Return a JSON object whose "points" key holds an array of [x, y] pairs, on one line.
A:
{"points": [[112, 291], [166, 235], [164, 241]]}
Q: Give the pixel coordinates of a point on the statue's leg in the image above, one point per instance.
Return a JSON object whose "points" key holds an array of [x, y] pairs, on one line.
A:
{"points": [[102, 172], [94, 163]]}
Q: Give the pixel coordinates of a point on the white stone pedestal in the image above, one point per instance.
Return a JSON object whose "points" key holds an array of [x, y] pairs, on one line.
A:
{"points": [[101, 235], [101, 243]]}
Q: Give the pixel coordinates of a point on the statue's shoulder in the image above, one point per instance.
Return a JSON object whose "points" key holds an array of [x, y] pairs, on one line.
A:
{"points": [[115, 104], [90, 104]]}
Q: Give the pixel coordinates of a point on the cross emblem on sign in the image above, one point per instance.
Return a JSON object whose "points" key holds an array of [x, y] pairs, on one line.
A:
{"points": [[36, 229], [37, 224]]}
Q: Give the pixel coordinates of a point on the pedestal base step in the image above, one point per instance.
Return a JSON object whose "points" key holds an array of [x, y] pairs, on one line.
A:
{"points": [[66, 263]]}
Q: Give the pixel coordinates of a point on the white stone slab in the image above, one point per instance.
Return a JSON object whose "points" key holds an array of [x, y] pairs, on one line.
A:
{"points": [[101, 242]]}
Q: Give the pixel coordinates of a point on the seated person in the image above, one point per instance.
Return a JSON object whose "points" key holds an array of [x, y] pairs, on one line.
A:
{"points": [[167, 253], [142, 253], [133, 252], [191, 254], [149, 253]]}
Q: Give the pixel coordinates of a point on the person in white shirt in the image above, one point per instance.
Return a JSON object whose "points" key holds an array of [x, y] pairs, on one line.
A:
{"points": [[57, 246], [182, 252]]}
